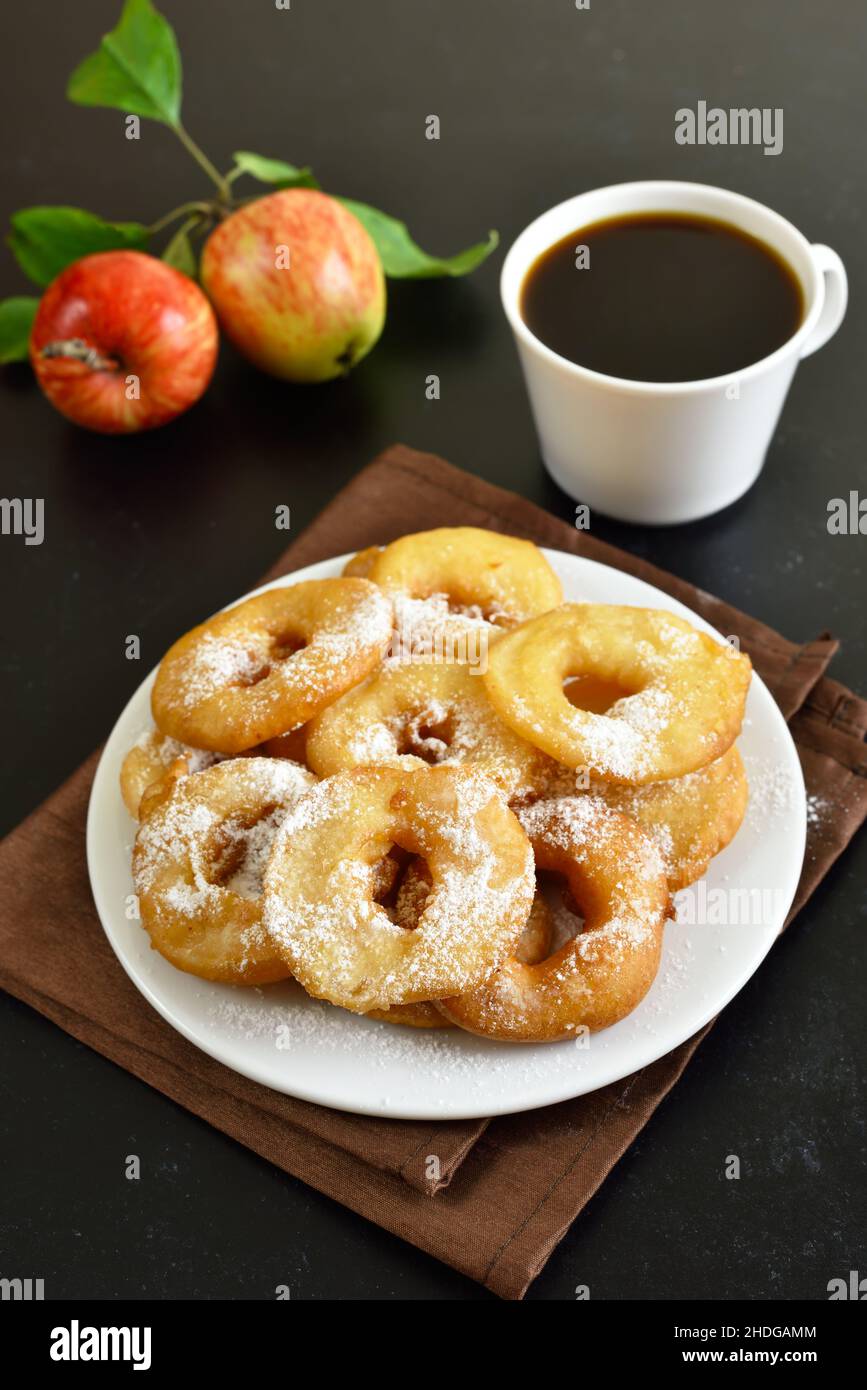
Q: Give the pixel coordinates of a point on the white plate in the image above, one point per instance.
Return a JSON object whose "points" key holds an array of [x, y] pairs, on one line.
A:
{"points": [[303, 1047]]}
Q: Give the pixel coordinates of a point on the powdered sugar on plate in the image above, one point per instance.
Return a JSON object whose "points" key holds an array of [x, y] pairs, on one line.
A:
{"points": [[773, 789], [774, 793], [285, 1019]]}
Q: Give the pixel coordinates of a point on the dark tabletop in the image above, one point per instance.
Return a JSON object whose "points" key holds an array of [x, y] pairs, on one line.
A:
{"points": [[147, 535]]}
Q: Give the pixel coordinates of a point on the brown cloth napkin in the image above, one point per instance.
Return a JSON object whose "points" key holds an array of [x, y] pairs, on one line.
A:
{"points": [[509, 1188]]}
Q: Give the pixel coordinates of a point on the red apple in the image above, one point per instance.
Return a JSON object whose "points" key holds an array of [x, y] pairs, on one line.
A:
{"points": [[297, 285], [123, 342]]}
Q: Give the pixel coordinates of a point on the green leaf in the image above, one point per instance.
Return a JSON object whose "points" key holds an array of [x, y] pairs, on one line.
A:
{"points": [[180, 254], [45, 241], [273, 171], [137, 68], [16, 321], [400, 256]]}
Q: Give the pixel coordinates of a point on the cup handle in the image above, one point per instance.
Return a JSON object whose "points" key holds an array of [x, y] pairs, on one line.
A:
{"points": [[829, 266]]}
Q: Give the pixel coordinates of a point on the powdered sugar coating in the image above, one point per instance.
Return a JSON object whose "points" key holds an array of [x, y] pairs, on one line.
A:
{"points": [[433, 627], [166, 750]]}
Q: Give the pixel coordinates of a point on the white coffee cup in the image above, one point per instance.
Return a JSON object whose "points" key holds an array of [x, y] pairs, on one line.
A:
{"points": [[661, 453]]}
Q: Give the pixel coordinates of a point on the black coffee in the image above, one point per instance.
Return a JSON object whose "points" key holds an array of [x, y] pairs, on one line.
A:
{"points": [[662, 297]]}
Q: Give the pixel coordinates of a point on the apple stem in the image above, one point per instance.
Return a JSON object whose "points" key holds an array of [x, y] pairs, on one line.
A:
{"points": [[79, 351], [203, 162], [201, 208]]}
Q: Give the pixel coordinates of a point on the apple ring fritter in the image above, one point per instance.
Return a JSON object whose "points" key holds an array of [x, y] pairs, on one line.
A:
{"points": [[684, 709], [497, 577], [319, 906], [198, 863], [423, 712], [270, 663], [691, 818], [149, 759], [616, 877]]}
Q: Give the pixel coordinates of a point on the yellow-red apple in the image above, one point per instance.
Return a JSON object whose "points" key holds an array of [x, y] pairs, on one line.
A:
{"points": [[297, 284], [123, 342]]}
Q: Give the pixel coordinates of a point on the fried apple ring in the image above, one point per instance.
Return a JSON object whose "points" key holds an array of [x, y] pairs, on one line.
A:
{"points": [[423, 712], [691, 818], [318, 902], [616, 876], [497, 577], [148, 761], [533, 944], [198, 863], [270, 663], [684, 709]]}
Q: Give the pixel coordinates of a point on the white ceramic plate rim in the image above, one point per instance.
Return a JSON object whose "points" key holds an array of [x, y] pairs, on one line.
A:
{"points": [[424, 1099]]}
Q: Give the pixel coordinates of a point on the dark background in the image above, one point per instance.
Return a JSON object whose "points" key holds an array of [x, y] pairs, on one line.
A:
{"points": [[537, 101]]}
